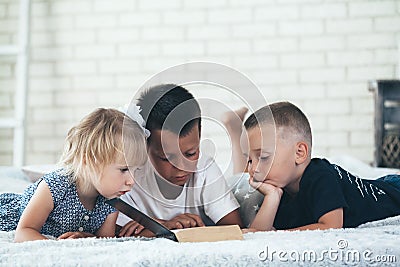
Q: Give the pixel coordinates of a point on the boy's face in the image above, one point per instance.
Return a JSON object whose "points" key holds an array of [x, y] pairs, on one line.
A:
{"points": [[173, 157], [271, 157]]}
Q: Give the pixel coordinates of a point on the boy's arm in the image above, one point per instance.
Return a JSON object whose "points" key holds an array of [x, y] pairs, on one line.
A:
{"points": [[231, 218], [331, 219], [264, 220]]}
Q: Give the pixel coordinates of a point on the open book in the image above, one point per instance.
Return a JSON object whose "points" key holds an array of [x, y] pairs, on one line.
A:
{"points": [[209, 233], [195, 234]]}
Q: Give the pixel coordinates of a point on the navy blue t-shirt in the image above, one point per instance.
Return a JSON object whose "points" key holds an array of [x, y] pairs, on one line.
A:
{"points": [[325, 187]]}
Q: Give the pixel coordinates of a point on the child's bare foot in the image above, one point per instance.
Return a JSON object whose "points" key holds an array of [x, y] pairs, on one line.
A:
{"points": [[233, 120]]}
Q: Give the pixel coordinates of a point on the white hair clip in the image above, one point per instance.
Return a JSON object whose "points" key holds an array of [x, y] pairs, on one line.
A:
{"points": [[133, 112]]}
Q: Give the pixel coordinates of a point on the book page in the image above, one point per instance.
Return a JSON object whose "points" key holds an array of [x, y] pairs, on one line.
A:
{"points": [[209, 233]]}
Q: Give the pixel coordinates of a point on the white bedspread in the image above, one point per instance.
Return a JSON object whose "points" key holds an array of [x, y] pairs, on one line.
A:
{"points": [[373, 244]]}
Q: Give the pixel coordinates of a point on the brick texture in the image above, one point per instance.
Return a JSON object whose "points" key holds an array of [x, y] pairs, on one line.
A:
{"points": [[317, 54]]}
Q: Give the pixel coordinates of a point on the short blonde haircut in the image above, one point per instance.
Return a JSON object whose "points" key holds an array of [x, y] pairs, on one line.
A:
{"points": [[101, 138]]}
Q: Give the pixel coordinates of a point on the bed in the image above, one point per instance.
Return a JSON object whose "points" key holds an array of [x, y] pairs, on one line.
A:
{"points": [[375, 244]]}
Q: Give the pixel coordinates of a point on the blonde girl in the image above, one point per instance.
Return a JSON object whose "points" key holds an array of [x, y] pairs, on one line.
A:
{"points": [[100, 157]]}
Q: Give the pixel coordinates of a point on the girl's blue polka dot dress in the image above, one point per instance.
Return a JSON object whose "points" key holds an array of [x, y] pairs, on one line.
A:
{"points": [[68, 215]]}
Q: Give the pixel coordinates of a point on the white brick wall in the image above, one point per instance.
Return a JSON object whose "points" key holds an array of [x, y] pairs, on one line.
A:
{"points": [[318, 54]]}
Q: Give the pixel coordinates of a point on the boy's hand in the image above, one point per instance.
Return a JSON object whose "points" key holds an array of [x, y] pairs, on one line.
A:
{"points": [[130, 229], [264, 220], [75, 235], [265, 188], [186, 220]]}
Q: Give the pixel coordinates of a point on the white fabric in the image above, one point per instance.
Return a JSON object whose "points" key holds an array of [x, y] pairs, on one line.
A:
{"points": [[379, 239], [360, 168], [206, 194], [373, 244], [12, 185], [34, 172], [133, 112]]}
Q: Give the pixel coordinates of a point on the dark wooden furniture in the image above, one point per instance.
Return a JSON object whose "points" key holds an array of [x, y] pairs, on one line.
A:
{"points": [[387, 122]]}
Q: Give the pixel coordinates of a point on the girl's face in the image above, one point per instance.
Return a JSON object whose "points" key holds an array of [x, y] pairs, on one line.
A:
{"points": [[116, 179]]}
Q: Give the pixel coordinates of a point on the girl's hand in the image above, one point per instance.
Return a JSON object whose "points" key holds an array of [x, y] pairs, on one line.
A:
{"points": [[186, 220], [265, 188], [75, 235], [130, 229]]}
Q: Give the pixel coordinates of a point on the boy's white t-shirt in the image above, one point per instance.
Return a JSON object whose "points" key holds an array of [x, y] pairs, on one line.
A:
{"points": [[205, 194]]}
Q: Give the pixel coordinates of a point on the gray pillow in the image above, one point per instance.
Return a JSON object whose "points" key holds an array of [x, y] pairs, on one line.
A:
{"points": [[12, 180], [12, 172], [34, 172], [249, 199]]}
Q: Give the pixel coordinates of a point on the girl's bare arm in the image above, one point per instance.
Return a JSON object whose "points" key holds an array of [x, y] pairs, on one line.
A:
{"points": [[35, 215]]}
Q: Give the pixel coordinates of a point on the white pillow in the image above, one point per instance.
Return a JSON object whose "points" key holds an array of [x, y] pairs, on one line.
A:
{"points": [[34, 172], [360, 168], [12, 180], [12, 185]]}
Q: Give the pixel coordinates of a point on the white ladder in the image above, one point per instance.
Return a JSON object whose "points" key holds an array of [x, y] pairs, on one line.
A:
{"points": [[21, 52]]}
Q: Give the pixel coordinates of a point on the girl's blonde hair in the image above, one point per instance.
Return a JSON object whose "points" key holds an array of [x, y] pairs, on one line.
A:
{"points": [[101, 138]]}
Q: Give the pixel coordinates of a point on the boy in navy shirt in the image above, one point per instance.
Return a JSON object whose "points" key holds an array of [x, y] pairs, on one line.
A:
{"points": [[303, 193]]}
